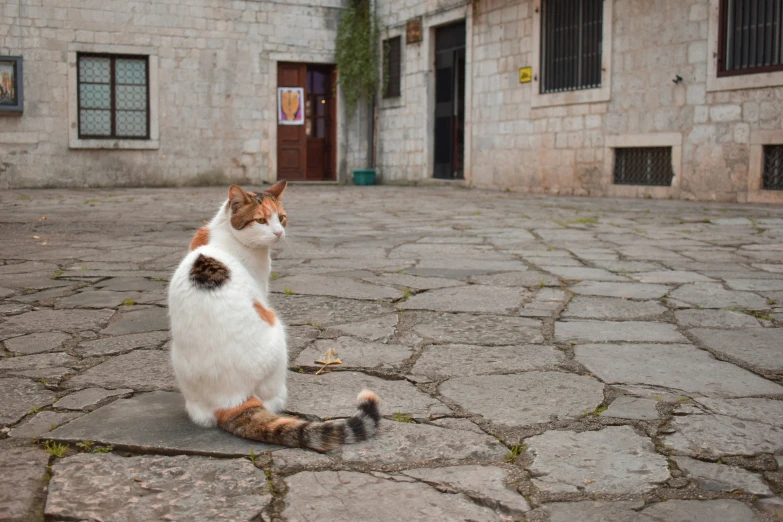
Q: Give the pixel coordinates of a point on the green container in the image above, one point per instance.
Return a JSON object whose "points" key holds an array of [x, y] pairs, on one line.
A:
{"points": [[364, 176]]}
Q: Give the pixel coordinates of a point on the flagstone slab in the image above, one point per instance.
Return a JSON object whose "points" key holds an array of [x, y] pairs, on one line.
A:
{"points": [[612, 460], [677, 366], [334, 395], [716, 319], [623, 290], [474, 298], [671, 277], [333, 286], [766, 411], [38, 361], [713, 295], [759, 347], [669, 511], [376, 329], [89, 399], [527, 278], [346, 495], [356, 354], [24, 471], [633, 331], [714, 436], [408, 445], [412, 282], [135, 321], [579, 273], [325, 311], [612, 308], [454, 360], [41, 424], [152, 487], [20, 396], [527, 398], [718, 477], [70, 321], [489, 485], [122, 343], [755, 285], [131, 284], [97, 299], [636, 408], [482, 330], [142, 370], [36, 343], [155, 422]]}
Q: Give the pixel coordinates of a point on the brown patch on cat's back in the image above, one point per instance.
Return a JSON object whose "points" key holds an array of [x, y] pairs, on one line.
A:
{"points": [[200, 239], [208, 273], [266, 315], [227, 414]]}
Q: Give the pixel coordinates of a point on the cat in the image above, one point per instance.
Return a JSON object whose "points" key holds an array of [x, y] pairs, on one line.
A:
{"points": [[228, 346]]}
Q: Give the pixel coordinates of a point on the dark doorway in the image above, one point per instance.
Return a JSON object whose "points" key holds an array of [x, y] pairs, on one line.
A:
{"points": [[307, 152], [449, 100]]}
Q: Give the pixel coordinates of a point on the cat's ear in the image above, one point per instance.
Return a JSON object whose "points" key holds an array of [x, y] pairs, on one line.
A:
{"points": [[277, 189], [237, 197]]}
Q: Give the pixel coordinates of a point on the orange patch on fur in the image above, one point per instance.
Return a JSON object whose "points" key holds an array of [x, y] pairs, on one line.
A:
{"points": [[283, 422], [226, 415], [266, 315], [200, 239]]}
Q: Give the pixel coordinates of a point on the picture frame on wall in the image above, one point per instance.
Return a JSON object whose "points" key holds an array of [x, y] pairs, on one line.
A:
{"points": [[290, 105], [11, 85]]}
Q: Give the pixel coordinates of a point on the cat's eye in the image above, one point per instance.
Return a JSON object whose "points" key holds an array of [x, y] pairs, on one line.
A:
{"points": [[261, 221], [283, 220]]}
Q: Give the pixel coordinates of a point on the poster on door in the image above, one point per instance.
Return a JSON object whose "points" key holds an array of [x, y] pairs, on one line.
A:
{"points": [[290, 106]]}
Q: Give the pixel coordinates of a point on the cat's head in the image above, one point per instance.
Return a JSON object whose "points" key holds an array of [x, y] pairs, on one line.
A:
{"points": [[257, 219]]}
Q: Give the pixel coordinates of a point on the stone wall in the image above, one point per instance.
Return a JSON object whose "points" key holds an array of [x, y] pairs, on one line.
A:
{"points": [[566, 149], [217, 87]]}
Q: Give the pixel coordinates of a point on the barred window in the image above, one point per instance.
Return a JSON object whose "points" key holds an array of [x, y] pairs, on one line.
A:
{"points": [[393, 51], [643, 166], [773, 167], [750, 36], [571, 44], [113, 96]]}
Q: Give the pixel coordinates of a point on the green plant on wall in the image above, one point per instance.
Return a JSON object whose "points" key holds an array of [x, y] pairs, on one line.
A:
{"points": [[357, 54]]}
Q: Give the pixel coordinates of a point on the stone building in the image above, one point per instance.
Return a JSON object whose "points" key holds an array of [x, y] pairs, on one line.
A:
{"points": [[646, 98]]}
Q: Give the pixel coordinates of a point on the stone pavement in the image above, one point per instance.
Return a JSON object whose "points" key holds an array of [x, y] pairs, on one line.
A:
{"points": [[537, 358]]}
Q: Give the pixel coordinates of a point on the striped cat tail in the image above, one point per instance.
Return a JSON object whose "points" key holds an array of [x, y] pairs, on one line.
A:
{"points": [[252, 421]]}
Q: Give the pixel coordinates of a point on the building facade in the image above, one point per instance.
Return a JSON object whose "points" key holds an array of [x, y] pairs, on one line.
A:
{"points": [[642, 98]]}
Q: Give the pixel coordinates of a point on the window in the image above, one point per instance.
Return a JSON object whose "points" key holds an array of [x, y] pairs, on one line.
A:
{"points": [[113, 96], [392, 50], [571, 45], [750, 36], [773, 167], [643, 166]]}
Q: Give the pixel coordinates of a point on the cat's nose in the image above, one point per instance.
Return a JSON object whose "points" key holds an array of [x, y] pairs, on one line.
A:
{"points": [[278, 233]]}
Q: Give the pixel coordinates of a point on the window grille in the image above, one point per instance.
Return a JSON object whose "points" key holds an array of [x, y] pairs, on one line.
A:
{"points": [[643, 166], [750, 36], [113, 96], [392, 48], [571, 39], [773, 167]]}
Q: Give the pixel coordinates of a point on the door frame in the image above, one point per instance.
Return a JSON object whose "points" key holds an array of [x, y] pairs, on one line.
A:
{"points": [[271, 127], [431, 24]]}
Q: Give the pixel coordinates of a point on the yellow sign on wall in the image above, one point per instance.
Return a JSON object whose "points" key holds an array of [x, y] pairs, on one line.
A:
{"points": [[525, 74]]}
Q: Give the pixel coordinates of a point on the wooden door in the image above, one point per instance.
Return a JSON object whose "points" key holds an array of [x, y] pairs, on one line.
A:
{"points": [[319, 124], [291, 139]]}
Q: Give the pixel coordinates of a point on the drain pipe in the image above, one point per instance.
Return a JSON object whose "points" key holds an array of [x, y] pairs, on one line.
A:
{"points": [[371, 134]]}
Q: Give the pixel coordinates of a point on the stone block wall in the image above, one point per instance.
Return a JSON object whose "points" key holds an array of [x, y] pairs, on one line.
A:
{"points": [[217, 86], [565, 149]]}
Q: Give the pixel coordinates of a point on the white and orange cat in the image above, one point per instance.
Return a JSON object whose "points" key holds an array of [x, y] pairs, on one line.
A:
{"points": [[228, 345]]}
